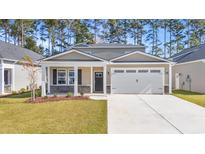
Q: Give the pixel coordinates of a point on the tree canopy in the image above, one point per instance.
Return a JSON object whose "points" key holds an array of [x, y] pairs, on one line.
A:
{"points": [[162, 37]]}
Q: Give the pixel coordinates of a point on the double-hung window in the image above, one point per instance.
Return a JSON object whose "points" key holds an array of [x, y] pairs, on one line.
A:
{"points": [[71, 77], [61, 76]]}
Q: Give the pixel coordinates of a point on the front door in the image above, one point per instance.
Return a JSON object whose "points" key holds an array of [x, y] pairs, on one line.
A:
{"points": [[98, 81]]}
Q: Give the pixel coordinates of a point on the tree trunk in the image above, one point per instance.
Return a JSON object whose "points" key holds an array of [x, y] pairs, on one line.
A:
{"points": [[188, 33], [22, 33], [165, 40], [34, 97], [5, 35]]}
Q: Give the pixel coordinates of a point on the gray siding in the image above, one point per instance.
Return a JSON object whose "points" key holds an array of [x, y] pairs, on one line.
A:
{"points": [[197, 73]]}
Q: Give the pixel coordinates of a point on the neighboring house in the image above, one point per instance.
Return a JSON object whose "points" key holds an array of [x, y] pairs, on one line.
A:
{"points": [[13, 76], [189, 70], [105, 68]]}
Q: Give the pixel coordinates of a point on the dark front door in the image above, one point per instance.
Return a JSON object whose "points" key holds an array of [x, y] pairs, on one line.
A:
{"points": [[98, 81]]}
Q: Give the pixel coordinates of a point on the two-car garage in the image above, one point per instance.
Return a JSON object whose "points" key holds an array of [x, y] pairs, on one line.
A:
{"points": [[137, 80]]}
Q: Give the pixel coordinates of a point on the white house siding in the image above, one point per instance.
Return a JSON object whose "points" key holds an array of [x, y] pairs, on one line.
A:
{"points": [[197, 73], [21, 77]]}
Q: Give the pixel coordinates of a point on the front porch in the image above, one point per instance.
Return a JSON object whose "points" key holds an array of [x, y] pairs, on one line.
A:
{"points": [[78, 80]]}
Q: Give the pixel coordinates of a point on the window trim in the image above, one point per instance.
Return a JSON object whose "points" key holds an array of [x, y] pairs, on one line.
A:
{"points": [[81, 81], [62, 69], [53, 76], [68, 77]]}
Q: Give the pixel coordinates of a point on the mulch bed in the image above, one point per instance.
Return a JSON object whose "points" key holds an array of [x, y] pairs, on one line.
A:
{"points": [[57, 98]]}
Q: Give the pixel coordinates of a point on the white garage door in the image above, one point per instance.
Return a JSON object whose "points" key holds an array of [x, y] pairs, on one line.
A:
{"points": [[137, 80]]}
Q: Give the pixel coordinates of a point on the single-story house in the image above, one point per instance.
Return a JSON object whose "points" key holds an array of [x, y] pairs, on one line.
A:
{"points": [[189, 70], [106, 68], [13, 76]]}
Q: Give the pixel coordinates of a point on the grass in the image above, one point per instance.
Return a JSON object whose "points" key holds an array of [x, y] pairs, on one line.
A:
{"points": [[23, 95], [70, 116], [193, 97]]}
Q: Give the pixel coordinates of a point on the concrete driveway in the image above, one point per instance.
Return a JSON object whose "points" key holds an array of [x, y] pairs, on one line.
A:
{"points": [[154, 114]]}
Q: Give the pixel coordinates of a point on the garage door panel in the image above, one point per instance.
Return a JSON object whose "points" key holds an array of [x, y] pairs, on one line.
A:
{"points": [[130, 81]]}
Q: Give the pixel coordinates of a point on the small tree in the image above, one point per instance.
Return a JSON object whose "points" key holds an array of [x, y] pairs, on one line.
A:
{"points": [[30, 66]]}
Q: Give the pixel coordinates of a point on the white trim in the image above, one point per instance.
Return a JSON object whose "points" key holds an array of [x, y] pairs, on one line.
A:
{"points": [[105, 79], [108, 47], [75, 80], [71, 51], [49, 82], [71, 64], [139, 52], [66, 77], [170, 79], [163, 80], [91, 80], [13, 79], [195, 61], [43, 82], [146, 63]]}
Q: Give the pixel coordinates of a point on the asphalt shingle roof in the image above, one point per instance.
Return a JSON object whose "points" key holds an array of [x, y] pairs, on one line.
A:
{"points": [[108, 51], [190, 54], [13, 52]]}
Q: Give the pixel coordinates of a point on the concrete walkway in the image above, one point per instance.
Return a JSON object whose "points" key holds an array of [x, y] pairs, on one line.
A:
{"points": [[154, 114]]}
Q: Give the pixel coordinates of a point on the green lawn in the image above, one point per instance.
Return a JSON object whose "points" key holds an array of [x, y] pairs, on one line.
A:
{"points": [[24, 94], [70, 116], [193, 97]]}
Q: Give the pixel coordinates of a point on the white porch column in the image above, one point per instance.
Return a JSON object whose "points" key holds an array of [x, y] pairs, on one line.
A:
{"points": [[48, 77], [170, 78], [1, 78], [105, 79], [43, 81], [91, 79], [76, 80], [13, 79]]}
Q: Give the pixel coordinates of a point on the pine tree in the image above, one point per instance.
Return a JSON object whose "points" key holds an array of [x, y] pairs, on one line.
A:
{"points": [[5, 26], [153, 37], [137, 30]]}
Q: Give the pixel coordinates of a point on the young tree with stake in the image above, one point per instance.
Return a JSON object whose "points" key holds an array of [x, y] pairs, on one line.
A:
{"points": [[30, 66]]}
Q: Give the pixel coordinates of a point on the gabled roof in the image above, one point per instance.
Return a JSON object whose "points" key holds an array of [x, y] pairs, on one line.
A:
{"points": [[190, 54], [71, 51], [106, 52], [141, 53], [13, 52]]}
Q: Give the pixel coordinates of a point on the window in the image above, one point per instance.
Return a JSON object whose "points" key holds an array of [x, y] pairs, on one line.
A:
{"points": [[130, 71], [7, 77], [142, 71], [79, 76], [98, 74], [155, 71], [61, 76], [54, 76], [71, 77], [119, 71]]}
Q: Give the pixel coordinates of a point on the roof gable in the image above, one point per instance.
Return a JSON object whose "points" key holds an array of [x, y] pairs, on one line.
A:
{"points": [[73, 55], [138, 56]]}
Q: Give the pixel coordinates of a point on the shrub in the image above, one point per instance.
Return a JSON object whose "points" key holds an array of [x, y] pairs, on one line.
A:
{"points": [[22, 90], [14, 92], [69, 94], [38, 93], [54, 95], [45, 97], [82, 93]]}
